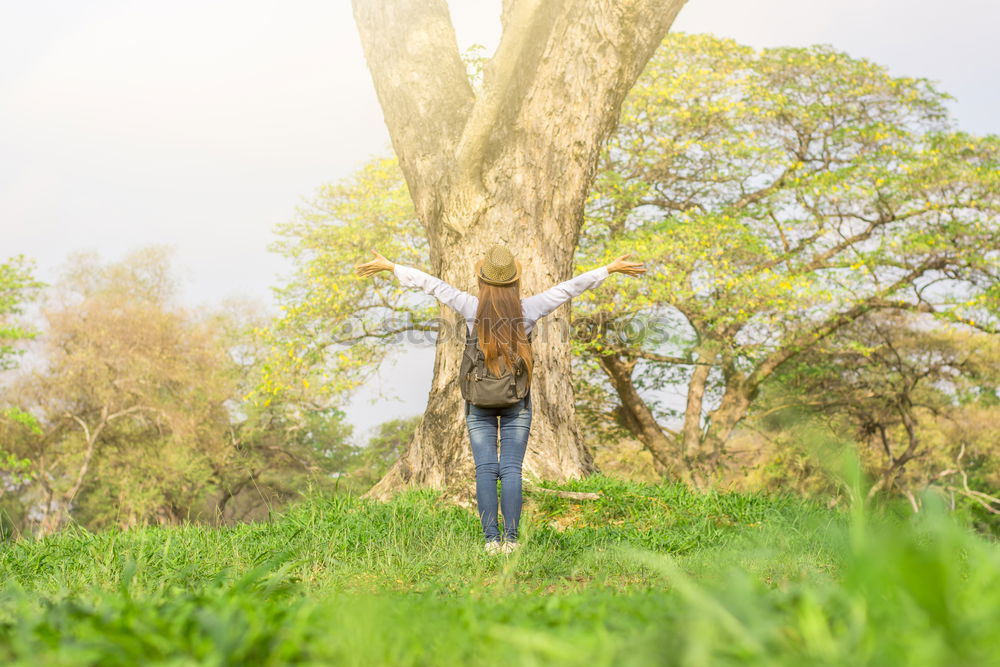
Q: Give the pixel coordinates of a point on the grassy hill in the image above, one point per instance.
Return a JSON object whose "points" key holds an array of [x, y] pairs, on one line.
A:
{"points": [[645, 574]]}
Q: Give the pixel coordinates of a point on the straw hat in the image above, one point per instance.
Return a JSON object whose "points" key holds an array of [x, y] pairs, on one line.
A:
{"points": [[498, 267]]}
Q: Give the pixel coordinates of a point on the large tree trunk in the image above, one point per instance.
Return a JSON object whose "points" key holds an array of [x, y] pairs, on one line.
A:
{"points": [[511, 165]]}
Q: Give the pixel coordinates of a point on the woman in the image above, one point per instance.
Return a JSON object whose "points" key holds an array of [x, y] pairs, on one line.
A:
{"points": [[503, 323]]}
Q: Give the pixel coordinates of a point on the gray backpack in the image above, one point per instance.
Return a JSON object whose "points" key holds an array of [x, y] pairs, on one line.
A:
{"points": [[482, 388]]}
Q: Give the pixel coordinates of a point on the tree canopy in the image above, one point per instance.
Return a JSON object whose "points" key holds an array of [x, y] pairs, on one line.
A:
{"points": [[780, 194], [131, 411]]}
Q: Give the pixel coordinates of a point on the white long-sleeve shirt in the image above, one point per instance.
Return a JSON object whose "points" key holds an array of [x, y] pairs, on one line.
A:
{"points": [[534, 307]]}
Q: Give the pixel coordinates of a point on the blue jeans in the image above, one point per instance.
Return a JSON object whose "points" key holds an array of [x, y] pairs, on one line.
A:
{"points": [[513, 424]]}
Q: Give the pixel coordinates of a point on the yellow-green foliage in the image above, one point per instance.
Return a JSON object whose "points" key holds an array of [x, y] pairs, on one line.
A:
{"points": [[770, 189], [17, 285], [335, 327]]}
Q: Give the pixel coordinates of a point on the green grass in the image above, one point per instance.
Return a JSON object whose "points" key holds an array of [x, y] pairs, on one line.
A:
{"points": [[645, 575]]}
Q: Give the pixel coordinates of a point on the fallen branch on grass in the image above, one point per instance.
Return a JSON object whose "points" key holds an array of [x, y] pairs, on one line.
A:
{"points": [[571, 495]]}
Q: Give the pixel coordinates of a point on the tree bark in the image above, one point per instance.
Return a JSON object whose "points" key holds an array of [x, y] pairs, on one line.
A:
{"points": [[893, 468], [640, 419], [511, 165], [734, 406], [692, 436]]}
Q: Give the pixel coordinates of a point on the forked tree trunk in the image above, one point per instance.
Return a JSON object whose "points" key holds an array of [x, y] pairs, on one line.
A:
{"points": [[639, 419], [511, 165]]}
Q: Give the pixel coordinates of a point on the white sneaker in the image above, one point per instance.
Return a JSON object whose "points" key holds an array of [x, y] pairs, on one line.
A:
{"points": [[509, 547], [494, 547]]}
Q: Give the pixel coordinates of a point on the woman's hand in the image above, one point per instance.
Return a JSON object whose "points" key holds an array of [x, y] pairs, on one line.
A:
{"points": [[621, 265], [380, 263]]}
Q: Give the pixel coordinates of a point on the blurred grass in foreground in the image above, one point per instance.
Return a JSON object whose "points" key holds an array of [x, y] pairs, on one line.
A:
{"points": [[647, 574]]}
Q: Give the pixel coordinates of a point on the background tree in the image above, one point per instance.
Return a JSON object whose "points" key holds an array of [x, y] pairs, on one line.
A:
{"points": [[779, 195], [908, 389], [138, 411], [382, 451], [282, 444], [131, 397]]}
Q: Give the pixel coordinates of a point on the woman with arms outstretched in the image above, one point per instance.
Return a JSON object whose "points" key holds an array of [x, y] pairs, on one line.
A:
{"points": [[496, 369]]}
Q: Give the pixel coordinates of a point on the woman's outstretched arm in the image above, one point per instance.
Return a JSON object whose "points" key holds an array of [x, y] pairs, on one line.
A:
{"points": [[463, 302], [538, 306]]}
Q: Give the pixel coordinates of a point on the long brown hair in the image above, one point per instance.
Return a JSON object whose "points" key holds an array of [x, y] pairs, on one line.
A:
{"points": [[500, 327]]}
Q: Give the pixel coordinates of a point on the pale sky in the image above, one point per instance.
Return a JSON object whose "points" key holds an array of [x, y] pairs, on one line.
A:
{"points": [[202, 124]]}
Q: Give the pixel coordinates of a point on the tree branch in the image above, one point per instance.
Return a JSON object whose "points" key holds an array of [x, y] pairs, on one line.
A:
{"points": [[511, 69], [834, 322], [422, 86], [569, 495]]}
